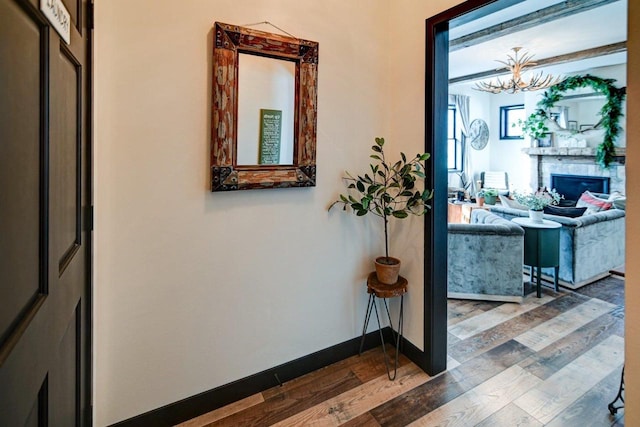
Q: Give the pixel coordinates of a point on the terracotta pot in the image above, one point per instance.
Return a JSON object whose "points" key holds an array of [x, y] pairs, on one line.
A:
{"points": [[480, 201], [387, 270]]}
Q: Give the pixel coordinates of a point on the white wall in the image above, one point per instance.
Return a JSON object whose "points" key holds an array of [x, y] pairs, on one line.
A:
{"points": [[194, 290]]}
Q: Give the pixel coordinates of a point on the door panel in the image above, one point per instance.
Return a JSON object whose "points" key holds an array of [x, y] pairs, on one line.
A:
{"points": [[21, 143], [66, 152], [45, 293]]}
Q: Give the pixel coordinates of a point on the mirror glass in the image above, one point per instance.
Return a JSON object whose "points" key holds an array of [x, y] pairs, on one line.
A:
{"points": [[578, 110], [266, 106]]}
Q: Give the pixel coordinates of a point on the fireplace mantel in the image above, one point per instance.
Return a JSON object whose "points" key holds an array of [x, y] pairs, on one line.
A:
{"points": [[620, 152], [575, 161]]}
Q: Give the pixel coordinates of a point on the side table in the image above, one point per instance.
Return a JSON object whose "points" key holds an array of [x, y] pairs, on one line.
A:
{"points": [[376, 289], [541, 247]]}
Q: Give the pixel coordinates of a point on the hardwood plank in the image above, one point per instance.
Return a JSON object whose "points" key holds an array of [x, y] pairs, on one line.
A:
{"points": [[368, 357], [591, 409], [482, 401], [452, 339], [493, 337], [510, 415], [610, 289], [448, 386], [554, 395], [452, 363], [223, 412], [484, 366], [403, 409], [359, 400], [551, 359], [491, 318], [298, 399], [562, 325], [372, 367], [459, 310], [364, 420]]}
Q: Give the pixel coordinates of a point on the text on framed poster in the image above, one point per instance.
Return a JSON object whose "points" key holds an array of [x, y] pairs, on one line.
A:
{"points": [[270, 136]]}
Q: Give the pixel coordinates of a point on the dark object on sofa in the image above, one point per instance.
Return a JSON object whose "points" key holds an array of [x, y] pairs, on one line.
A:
{"points": [[569, 212]]}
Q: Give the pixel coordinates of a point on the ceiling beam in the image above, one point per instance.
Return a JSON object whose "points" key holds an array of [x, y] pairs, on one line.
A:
{"points": [[542, 16], [554, 60]]}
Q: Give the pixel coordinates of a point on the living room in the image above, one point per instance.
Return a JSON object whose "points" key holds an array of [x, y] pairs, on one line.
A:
{"points": [[598, 52], [568, 148]]}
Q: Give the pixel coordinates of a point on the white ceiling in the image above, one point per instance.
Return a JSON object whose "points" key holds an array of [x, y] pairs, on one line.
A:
{"points": [[596, 27]]}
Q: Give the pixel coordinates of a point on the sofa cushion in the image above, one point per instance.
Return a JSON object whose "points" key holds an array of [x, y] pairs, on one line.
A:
{"points": [[565, 211], [593, 203]]}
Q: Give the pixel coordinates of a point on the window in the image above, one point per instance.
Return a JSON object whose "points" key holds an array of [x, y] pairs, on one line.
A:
{"points": [[509, 116], [454, 159]]}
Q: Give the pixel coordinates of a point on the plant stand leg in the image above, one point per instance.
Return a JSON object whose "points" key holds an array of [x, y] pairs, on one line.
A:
{"points": [[367, 316], [612, 408]]}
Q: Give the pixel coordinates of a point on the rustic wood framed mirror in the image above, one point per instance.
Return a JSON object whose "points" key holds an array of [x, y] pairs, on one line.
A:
{"points": [[270, 163]]}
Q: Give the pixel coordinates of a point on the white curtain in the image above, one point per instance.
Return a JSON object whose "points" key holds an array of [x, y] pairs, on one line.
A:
{"points": [[462, 105]]}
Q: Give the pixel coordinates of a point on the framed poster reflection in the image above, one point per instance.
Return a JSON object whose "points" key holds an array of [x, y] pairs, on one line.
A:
{"points": [[546, 140]]}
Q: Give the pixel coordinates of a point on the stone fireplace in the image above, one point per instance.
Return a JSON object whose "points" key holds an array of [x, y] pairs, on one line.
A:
{"points": [[548, 161]]}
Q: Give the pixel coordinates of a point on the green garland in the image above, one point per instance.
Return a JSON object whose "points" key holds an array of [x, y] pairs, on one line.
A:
{"points": [[610, 112]]}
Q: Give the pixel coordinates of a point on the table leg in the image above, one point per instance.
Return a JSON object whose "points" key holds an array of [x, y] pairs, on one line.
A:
{"points": [[538, 284], [556, 270]]}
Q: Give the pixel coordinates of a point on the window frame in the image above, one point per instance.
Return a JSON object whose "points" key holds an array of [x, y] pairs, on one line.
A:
{"points": [[457, 143], [505, 126]]}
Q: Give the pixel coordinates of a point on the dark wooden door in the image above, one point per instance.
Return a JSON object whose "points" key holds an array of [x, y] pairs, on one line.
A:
{"points": [[45, 294]]}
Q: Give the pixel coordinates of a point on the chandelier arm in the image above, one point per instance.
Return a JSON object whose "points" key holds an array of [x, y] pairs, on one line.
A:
{"points": [[516, 83]]}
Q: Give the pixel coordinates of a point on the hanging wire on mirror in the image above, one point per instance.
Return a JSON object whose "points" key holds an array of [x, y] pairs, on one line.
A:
{"points": [[273, 25]]}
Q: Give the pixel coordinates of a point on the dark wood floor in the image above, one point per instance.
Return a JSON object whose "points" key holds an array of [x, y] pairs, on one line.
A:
{"points": [[554, 361]]}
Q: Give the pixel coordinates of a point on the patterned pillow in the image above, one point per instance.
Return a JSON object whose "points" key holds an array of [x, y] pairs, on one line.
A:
{"points": [[592, 203]]}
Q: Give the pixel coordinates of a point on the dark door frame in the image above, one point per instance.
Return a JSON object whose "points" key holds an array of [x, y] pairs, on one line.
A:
{"points": [[435, 227]]}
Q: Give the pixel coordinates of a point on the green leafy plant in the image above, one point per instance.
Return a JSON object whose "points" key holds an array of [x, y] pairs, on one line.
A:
{"points": [[390, 190], [535, 126], [610, 112], [491, 192], [538, 200]]}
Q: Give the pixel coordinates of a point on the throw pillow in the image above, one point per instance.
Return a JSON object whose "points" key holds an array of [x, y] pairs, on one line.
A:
{"points": [[564, 211], [592, 203], [511, 203]]}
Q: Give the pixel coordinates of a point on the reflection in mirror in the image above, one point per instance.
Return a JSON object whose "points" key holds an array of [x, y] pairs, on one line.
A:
{"points": [[580, 107], [265, 137]]}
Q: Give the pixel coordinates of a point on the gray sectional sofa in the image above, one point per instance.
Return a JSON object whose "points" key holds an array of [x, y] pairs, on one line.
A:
{"points": [[485, 259], [590, 245]]}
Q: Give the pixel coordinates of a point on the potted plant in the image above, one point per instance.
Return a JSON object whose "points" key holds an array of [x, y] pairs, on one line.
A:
{"points": [[490, 196], [390, 191], [535, 126], [537, 201], [480, 196]]}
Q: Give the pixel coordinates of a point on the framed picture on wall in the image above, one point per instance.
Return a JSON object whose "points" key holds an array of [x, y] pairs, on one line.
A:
{"points": [[546, 140]]}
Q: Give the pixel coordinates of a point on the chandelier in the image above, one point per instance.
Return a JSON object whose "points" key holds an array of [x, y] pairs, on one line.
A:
{"points": [[516, 83]]}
